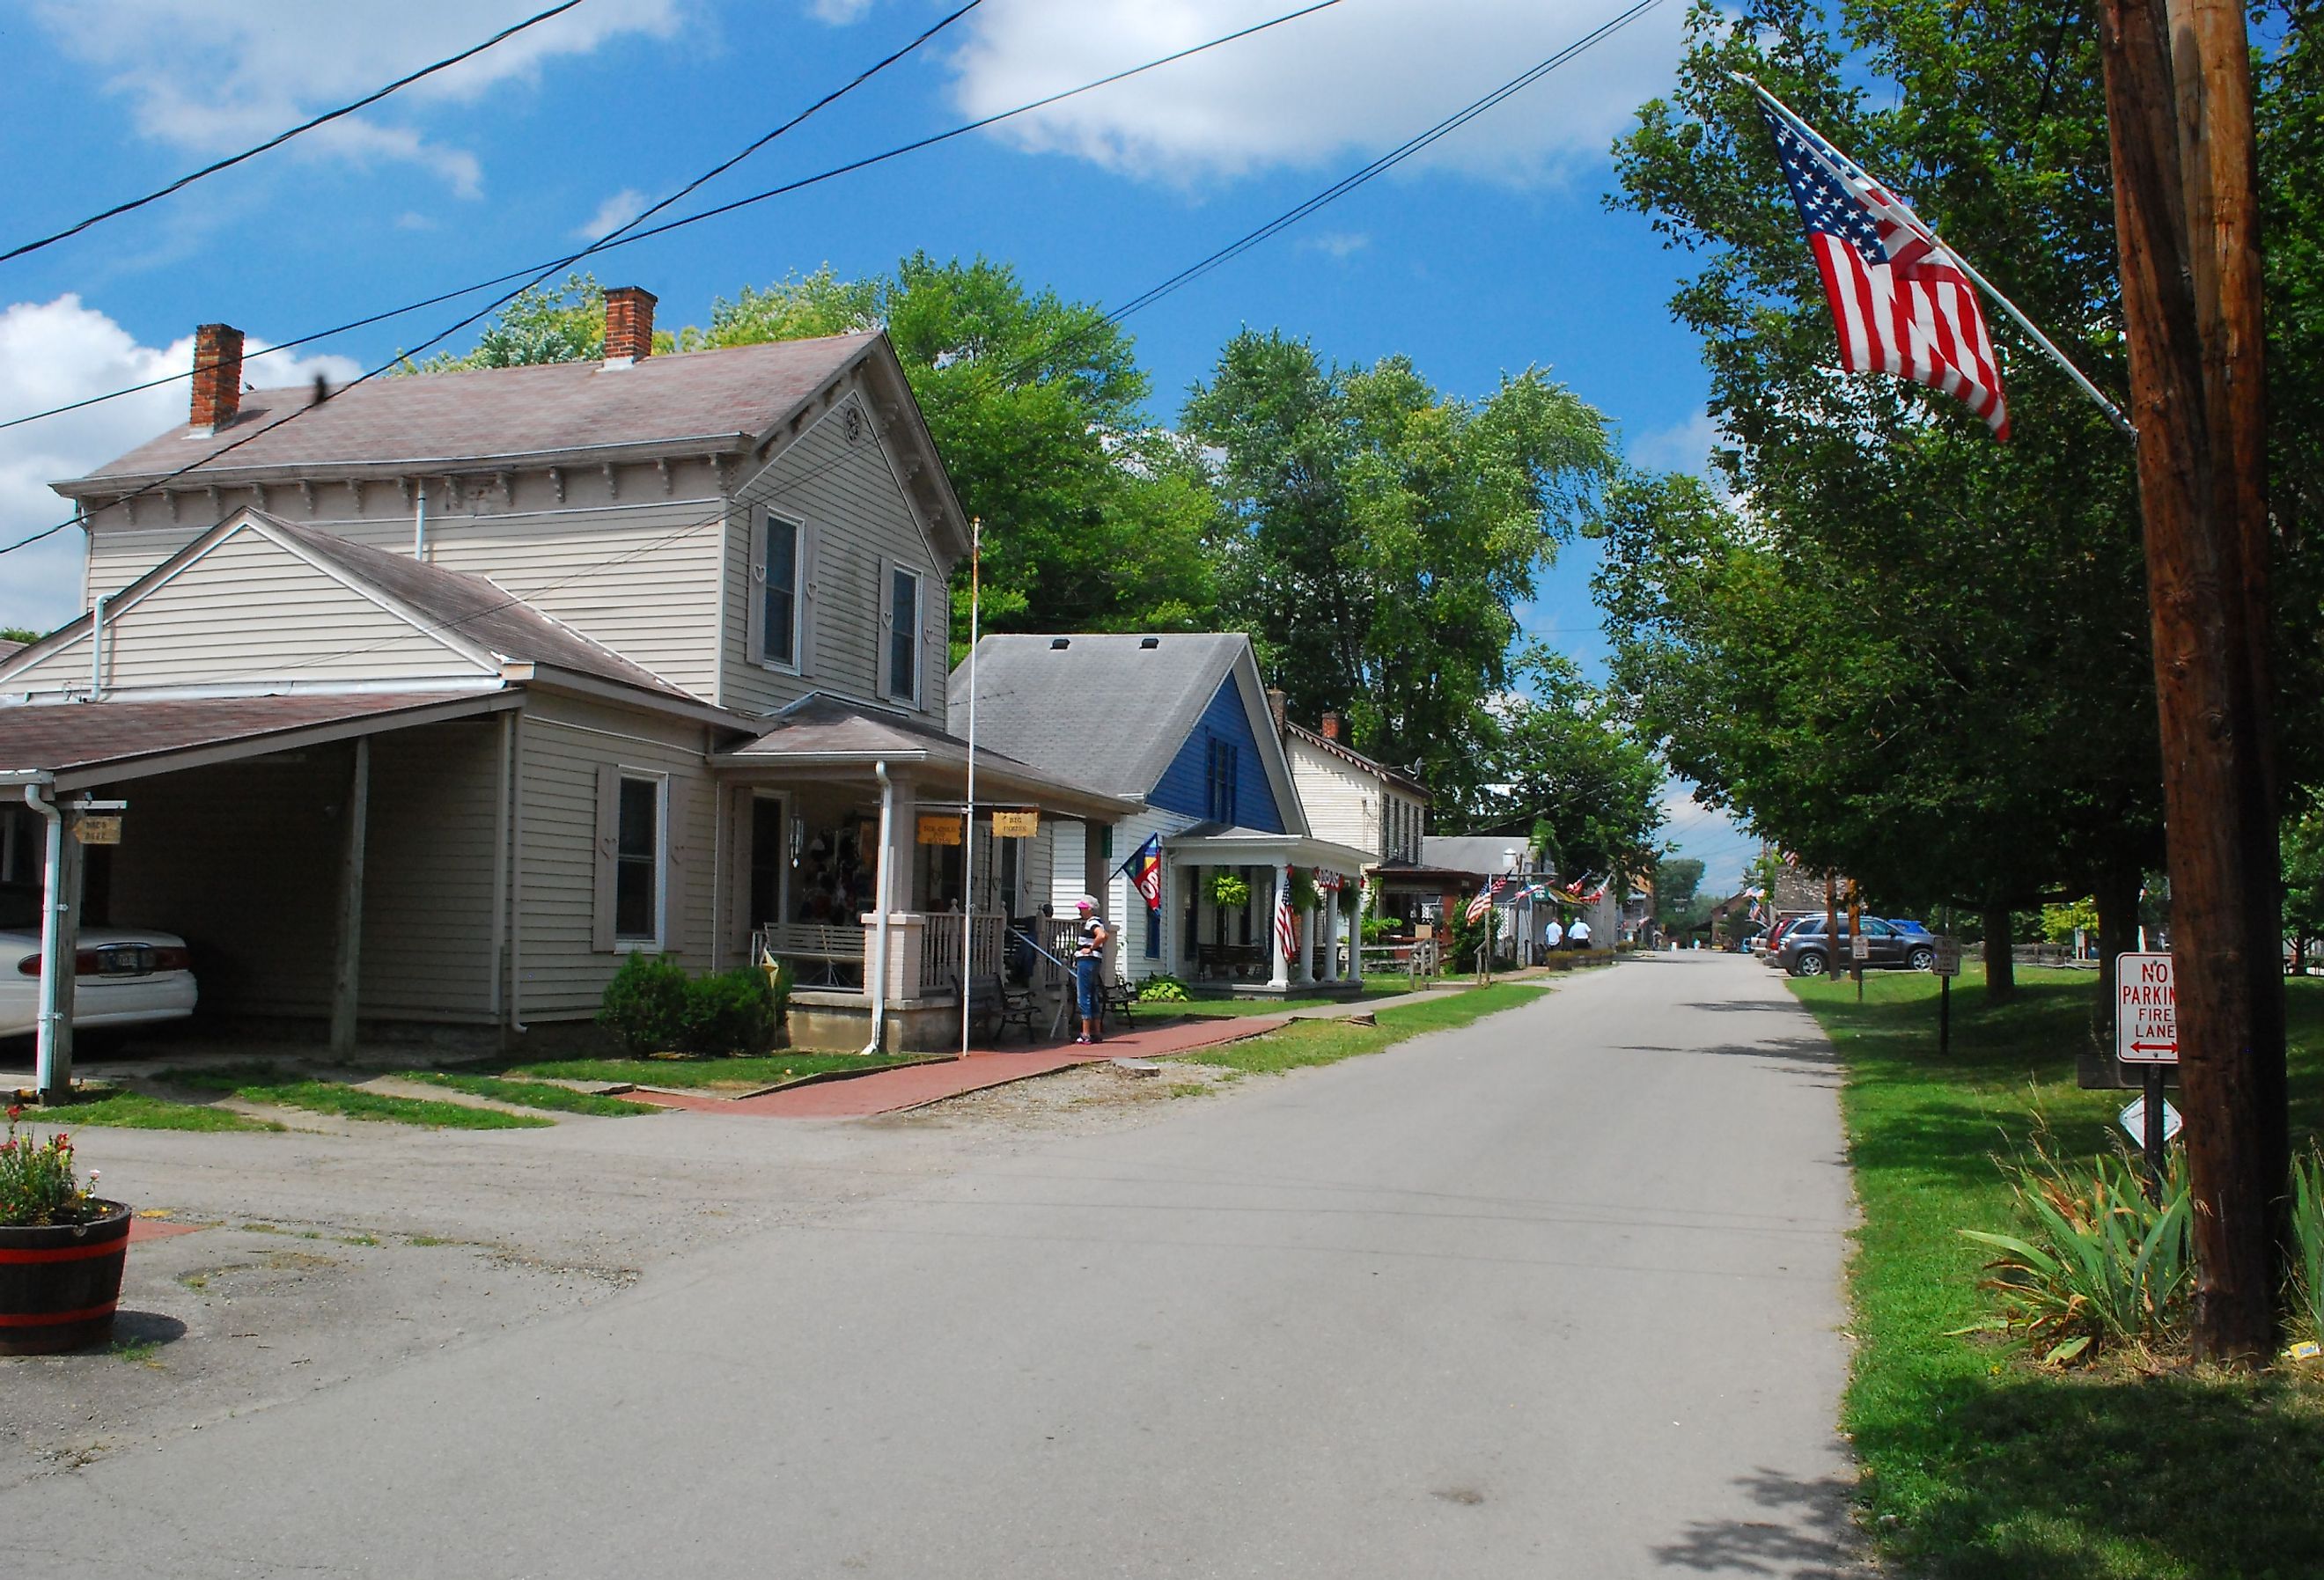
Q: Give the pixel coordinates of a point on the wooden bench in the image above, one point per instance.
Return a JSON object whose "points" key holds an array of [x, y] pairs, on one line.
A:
{"points": [[993, 1004], [1233, 960], [1115, 997]]}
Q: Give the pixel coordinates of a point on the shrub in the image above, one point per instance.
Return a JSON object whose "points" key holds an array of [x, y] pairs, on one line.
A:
{"points": [[1163, 990], [645, 1005], [734, 1011], [2099, 1264], [2307, 1281], [1378, 927]]}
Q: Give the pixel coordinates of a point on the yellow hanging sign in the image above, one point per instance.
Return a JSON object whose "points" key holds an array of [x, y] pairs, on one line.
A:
{"points": [[1016, 825], [939, 829]]}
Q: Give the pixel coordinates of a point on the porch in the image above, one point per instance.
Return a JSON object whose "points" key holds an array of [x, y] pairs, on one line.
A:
{"points": [[856, 865], [1235, 944]]}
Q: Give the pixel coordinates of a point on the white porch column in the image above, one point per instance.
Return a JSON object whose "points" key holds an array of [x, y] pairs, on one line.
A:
{"points": [[1278, 896], [1307, 945], [1328, 917]]}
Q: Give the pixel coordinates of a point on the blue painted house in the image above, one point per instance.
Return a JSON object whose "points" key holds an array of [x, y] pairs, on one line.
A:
{"points": [[1182, 725]]}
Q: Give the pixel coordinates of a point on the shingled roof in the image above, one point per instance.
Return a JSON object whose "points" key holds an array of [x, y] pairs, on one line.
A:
{"points": [[721, 400]]}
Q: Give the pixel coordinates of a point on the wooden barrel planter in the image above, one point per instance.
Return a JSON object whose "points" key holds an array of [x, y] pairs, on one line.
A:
{"points": [[60, 1282]]}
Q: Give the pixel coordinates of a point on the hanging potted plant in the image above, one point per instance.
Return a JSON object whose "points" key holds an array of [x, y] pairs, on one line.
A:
{"points": [[1302, 890], [61, 1248], [1229, 893]]}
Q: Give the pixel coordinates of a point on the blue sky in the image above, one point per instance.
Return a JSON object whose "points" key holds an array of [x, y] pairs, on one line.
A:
{"points": [[1491, 253]]}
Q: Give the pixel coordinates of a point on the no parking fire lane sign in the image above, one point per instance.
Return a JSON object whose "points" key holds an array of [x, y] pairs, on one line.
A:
{"points": [[2146, 1010]]}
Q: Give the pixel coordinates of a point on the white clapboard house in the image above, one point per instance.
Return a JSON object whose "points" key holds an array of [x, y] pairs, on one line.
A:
{"points": [[433, 703]]}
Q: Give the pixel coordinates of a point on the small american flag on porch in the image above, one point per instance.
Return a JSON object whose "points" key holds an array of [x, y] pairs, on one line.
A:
{"points": [[1287, 923]]}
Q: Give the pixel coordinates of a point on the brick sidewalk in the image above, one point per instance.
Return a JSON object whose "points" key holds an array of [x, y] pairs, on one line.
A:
{"points": [[916, 1085]]}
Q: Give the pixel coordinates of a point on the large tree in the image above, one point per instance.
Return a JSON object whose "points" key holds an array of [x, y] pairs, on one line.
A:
{"points": [[1563, 765], [1373, 536], [1951, 685]]}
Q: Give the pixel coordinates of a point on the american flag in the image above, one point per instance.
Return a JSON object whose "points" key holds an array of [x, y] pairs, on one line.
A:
{"points": [[1287, 923], [1483, 903], [1900, 303]]}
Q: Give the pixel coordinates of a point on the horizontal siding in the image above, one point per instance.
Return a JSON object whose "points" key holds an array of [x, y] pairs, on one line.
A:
{"points": [[563, 977], [249, 611], [243, 860], [428, 873], [1341, 803], [856, 518], [1184, 785]]}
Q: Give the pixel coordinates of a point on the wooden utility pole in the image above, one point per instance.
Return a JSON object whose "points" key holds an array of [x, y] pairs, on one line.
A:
{"points": [[2179, 111]]}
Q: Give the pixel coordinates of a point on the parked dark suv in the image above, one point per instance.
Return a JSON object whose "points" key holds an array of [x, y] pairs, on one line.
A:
{"points": [[1805, 950]]}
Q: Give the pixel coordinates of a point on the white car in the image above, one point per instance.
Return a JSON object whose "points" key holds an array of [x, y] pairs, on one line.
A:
{"points": [[123, 976]]}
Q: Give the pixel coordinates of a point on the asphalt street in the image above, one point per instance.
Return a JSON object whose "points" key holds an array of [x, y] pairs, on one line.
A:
{"points": [[1557, 1295]]}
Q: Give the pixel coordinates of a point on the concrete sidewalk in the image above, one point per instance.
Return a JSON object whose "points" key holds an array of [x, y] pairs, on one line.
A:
{"points": [[916, 1085]]}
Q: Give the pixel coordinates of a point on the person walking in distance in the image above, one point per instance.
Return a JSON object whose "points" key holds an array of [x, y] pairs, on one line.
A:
{"points": [[1552, 936], [1089, 959], [1578, 935]]}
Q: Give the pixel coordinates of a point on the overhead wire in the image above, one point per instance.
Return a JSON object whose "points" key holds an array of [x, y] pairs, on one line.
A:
{"points": [[279, 139], [1144, 299], [566, 261], [785, 188]]}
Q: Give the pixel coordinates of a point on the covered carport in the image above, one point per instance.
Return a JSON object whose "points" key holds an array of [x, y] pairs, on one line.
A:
{"points": [[267, 797]]}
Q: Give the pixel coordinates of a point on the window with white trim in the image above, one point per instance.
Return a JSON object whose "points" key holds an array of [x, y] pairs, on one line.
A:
{"points": [[776, 614], [638, 860], [901, 677]]}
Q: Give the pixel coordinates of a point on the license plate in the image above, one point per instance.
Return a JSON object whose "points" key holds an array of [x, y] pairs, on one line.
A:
{"points": [[125, 960]]}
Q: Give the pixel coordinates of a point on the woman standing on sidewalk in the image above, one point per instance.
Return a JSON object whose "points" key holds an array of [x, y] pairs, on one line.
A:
{"points": [[1089, 958]]}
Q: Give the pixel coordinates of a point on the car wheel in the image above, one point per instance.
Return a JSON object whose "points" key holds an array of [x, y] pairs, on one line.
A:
{"points": [[1925, 959], [1809, 964]]}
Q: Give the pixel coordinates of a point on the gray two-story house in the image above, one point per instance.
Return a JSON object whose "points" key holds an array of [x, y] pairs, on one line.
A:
{"points": [[432, 698]]}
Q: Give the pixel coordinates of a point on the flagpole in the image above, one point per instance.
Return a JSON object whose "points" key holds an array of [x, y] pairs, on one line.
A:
{"points": [[1816, 144], [968, 833]]}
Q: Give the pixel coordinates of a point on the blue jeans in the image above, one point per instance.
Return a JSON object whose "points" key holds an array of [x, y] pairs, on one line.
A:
{"points": [[1085, 987]]}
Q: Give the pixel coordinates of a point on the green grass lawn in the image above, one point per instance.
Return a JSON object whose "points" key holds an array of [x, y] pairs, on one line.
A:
{"points": [[1320, 1042], [1228, 1008], [1975, 1463], [141, 1111], [266, 1084], [739, 1074], [530, 1093]]}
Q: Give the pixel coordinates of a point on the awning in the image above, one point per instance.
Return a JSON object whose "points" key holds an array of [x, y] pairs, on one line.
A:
{"points": [[818, 733], [71, 746]]}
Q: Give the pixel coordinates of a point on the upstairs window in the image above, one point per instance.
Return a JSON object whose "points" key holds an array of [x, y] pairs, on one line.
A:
{"points": [[1222, 765], [902, 680], [779, 592]]}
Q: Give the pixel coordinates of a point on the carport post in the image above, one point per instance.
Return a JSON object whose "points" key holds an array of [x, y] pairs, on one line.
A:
{"points": [[348, 970], [60, 947]]}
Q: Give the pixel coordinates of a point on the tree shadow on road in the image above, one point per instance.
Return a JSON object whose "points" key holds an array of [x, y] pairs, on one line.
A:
{"points": [[1809, 1534]]}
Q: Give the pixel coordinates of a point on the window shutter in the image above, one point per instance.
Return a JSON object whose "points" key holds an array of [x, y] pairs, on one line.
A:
{"points": [[935, 657], [810, 569], [677, 863], [609, 827]]}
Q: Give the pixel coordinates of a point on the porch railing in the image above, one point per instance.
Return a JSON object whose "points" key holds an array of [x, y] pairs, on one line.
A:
{"points": [[940, 949]]}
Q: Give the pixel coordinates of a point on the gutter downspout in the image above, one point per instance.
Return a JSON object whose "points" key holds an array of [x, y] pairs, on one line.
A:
{"points": [[501, 870], [882, 893], [54, 1059]]}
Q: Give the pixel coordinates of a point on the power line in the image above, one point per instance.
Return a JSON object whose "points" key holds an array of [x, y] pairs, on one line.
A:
{"points": [[277, 140], [1144, 299], [294, 414], [899, 150]]}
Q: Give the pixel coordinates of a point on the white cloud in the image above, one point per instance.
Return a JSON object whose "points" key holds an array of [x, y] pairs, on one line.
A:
{"points": [[840, 13], [613, 213], [1359, 79], [211, 79], [56, 352], [1338, 244]]}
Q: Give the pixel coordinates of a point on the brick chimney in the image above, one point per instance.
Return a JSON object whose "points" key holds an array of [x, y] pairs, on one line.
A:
{"points": [[629, 324], [1276, 701], [218, 377], [1329, 729]]}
